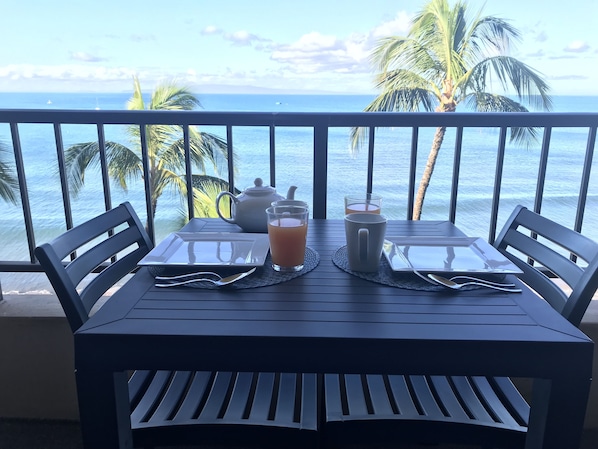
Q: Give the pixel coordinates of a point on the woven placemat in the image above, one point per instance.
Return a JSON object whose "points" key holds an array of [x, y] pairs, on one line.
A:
{"points": [[385, 275], [263, 276]]}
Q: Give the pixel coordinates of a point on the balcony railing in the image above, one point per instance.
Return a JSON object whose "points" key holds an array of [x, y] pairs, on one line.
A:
{"points": [[413, 131]]}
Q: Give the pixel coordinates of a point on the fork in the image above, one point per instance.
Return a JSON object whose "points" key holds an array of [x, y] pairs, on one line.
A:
{"points": [[455, 286], [186, 275], [485, 281], [219, 282]]}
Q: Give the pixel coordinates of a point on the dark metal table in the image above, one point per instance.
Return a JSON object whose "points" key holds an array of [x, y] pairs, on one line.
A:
{"points": [[330, 321]]}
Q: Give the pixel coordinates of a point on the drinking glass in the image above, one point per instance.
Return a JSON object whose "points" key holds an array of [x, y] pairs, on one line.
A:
{"points": [[290, 203], [287, 231], [368, 203]]}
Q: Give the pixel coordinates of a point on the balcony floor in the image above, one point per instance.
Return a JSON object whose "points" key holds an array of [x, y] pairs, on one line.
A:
{"points": [[32, 434]]}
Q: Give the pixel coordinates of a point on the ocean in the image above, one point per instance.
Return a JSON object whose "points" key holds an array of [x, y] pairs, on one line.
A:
{"points": [[294, 167]]}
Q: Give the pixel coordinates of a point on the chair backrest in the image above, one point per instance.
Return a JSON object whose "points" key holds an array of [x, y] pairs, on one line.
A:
{"points": [[116, 238], [536, 244]]}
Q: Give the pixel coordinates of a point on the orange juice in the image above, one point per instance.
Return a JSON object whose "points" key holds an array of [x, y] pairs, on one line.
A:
{"points": [[287, 241], [362, 208]]}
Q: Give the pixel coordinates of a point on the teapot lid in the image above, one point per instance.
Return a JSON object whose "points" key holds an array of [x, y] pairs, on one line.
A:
{"points": [[259, 188]]}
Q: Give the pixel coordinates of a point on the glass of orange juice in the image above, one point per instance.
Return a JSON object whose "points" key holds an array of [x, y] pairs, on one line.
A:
{"points": [[365, 203], [287, 231]]}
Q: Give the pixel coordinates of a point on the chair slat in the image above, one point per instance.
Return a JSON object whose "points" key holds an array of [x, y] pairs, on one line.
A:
{"points": [[356, 400], [240, 396], [193, 400], [379, 395], [510, 395], [450, 401], [425, 397], [262, 401], [217, 398], [152, 396], [310, 401], [173, 396], [402, 396], [286, 402], [333, 402]]}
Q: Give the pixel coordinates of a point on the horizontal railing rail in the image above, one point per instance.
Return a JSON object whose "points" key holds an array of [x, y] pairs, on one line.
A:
{"points": [[321, 123]]}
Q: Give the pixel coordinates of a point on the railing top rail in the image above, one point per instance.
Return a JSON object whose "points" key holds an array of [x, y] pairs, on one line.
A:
{"points": [[301, 119]]}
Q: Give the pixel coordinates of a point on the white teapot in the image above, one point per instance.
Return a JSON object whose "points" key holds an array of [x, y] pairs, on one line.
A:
{"points": [[248, 209]]}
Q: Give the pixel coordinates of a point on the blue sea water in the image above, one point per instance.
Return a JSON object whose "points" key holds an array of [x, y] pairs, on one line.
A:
{"points": [[294, 167]]}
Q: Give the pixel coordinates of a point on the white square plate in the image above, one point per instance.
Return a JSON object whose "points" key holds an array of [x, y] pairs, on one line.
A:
{"points": [[209, 249], [446, 255]]}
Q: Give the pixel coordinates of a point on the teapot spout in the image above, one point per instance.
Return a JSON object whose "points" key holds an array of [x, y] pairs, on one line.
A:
{"points": [[291, 193]]}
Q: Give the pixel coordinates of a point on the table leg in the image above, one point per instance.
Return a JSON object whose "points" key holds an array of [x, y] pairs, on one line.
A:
{"points": [[104, 409], [557, 413]]}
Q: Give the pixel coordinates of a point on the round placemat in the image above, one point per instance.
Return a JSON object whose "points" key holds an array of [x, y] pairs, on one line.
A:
{"points": [[386, 275], [263, 276]]}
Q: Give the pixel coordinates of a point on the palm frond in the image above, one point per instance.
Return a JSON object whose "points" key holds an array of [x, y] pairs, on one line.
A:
{"points": [[388, 51], [77, 159], [404, 90], [204, 148], [393, 100], [206, 182], [9, 184], [395, 54], [170, 96], [487, 102], [205, 191], [527, 83], [163, 179], [122, 163], [406, 100], [494, 34], [136, 102]]}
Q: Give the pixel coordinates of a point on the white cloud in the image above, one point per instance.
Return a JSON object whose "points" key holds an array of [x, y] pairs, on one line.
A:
{"points": [[246, 39], [66, 72], [398, 26], [315, 41], [84, 56], [317, 52], [577, 47], [211, 29], [241, 37]]}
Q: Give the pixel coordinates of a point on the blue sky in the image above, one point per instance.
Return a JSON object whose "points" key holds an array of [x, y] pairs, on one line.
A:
{"points": [[255, 46]]}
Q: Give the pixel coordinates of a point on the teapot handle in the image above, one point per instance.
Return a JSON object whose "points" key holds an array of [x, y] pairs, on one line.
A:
{"points": [[233, 199]]}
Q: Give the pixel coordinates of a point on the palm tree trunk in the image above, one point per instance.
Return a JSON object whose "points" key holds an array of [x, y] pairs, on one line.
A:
{"points": [[427, 174]]}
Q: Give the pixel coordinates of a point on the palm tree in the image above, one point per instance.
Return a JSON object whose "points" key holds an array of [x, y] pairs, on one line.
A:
{"points": [[164, 146], [445, 60], [9, 184], [205, 190]]}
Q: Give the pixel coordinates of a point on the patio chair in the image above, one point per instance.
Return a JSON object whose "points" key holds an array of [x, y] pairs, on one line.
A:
{"points": [[376, 410], [172, 408]]}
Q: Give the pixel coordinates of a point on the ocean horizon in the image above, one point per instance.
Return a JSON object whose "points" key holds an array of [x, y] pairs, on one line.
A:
{"points": [[294, 167]]}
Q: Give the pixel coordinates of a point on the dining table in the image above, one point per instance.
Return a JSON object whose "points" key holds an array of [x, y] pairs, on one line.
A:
{"points": [[331, 320]]}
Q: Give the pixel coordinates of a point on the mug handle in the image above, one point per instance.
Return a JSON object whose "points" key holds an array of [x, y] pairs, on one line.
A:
{"points": [[362, 240], [218, 198]]}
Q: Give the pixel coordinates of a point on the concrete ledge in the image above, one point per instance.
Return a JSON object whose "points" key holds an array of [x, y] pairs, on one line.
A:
{"points": [[37, 378]]}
